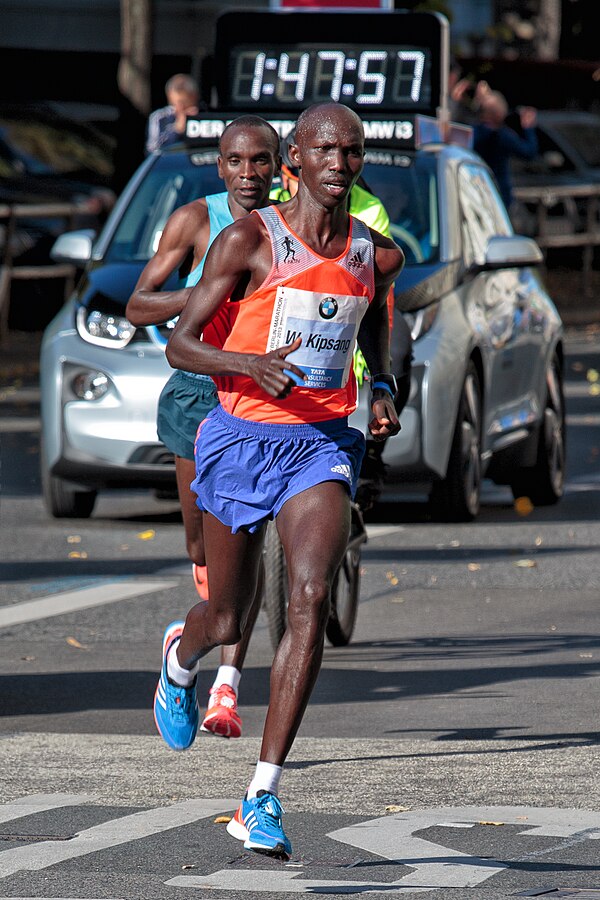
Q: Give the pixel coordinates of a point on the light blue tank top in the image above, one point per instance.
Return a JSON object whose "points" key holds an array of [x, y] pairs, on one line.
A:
{"points": [[219, 216]]}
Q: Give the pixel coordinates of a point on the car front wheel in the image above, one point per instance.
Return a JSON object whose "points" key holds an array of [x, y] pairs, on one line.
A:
{"points": [[457, 497], [63, 501], [544, 482]]}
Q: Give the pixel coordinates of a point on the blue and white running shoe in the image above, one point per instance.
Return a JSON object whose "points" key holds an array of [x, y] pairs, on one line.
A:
{"points": [[257, 822], [175, 708]]}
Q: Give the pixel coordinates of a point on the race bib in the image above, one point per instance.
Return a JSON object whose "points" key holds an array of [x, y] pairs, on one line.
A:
{"points": [[327, 324]]}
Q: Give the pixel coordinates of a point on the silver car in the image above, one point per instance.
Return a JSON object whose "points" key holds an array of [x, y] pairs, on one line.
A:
{"points": [[486, 395]]}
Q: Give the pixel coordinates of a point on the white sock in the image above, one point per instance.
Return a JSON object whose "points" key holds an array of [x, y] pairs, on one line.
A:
{"points": [[227, 675], [266, 778], [182, 677]]}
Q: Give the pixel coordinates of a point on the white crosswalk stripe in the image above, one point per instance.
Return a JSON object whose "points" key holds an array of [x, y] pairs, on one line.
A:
{"points": [[109, 834], [35, 803]]}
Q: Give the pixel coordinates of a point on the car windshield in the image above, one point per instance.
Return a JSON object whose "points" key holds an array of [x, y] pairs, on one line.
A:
{"points": [[407, 187], [584, 137], [174, 179]]}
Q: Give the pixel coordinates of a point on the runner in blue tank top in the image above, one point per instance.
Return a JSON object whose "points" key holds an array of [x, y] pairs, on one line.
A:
{"points": [[248, 160]]}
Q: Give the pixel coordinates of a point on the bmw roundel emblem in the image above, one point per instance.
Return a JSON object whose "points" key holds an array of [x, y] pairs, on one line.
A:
{"points": [[328, 308]]}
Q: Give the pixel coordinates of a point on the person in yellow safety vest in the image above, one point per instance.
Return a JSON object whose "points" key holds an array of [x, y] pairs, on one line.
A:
{"points": [[364, 205]]}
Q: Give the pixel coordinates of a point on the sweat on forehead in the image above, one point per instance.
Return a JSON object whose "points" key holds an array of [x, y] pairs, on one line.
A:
{"points": [[324, 115], [246, 122]]}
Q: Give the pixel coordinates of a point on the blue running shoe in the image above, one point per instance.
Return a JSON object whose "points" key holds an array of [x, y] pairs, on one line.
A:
{"points": [[257, 822], [175, 708]]}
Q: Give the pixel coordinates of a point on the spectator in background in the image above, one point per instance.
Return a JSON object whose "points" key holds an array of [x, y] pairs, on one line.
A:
{"points": [[167, 125], [497, 143], [464, 95]]}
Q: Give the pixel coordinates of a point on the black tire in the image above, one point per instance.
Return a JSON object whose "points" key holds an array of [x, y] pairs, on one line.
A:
{"points": [[457, 497], [344, 600], [544, 483], [275, 594], [66, 502]]}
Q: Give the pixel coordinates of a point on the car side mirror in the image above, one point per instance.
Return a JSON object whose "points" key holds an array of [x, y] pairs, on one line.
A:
{"points": [[506, 251], [74, 247]]}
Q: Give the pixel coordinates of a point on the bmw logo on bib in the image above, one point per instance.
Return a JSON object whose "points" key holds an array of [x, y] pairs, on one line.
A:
{"points": [[328, 308]]}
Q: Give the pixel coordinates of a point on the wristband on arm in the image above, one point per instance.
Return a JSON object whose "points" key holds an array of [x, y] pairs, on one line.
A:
{"points": [[385, 382]]}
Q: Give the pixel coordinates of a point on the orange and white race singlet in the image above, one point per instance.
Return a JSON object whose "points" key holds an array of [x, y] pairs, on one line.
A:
{"points": [[305, 295]]}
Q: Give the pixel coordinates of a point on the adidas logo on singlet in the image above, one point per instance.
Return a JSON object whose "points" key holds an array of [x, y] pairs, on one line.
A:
{"points": [[343, 470], [356, 260]]}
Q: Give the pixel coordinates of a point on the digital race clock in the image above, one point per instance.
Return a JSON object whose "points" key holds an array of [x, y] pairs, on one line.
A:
{"points": [[359, 76], [373, 62]]}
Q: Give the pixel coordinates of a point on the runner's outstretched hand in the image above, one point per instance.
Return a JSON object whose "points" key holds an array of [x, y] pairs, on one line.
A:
{"points": [[269, 371], [385, 419]]}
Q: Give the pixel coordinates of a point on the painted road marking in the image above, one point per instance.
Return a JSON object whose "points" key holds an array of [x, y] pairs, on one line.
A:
{"points": [[35, 803], [375, 531], [59, 604], [110, 834], [434, 866]]}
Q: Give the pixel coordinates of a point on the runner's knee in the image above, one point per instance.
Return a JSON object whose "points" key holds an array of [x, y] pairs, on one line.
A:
{"points": [[309, 600]]}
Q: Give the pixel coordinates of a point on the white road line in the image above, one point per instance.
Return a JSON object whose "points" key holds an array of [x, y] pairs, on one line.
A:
{"points": [[35, 803], [434, 866], [583, 419], [18, 424], [376, 531], [110, 834], [59, 604]]}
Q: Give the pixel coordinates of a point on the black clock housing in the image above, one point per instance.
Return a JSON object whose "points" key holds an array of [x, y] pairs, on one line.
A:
{"points": [[392, 62]]}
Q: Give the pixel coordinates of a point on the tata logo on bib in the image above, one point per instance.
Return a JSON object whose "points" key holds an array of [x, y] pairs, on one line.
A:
{"points": [[328, 308]]}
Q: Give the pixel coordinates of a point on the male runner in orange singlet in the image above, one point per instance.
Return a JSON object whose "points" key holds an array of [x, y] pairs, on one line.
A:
{"points": [[279, 445]]}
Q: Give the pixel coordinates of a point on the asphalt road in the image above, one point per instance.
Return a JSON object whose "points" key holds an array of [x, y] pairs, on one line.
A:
{"points": [[451, 749]]}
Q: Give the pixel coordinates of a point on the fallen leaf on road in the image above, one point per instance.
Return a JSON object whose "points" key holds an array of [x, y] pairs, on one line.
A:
{"points": [[473, 567], [538, 541], [28, 658], [523, 506], [189, 866], [592, 376], [395, 808], [455, 543], [147, 535], [222, 820], [595, 390], [525, 563], [391, 577], [491, 823], [73, 642], [77, 554], [74, 539]]}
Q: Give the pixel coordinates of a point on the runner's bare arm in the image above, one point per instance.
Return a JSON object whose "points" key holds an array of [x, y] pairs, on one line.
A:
{"points": [[374, 335], [237, 262], [185, 236]]}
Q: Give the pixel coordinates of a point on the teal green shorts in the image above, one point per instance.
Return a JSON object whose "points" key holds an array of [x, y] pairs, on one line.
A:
{"points": [[185, 401]]}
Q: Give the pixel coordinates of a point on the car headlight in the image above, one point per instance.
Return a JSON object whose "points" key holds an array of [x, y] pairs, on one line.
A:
{"points": [[103, 328], [421, 321]]}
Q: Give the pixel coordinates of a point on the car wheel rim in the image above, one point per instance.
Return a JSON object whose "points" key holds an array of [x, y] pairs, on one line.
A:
{"points": [[470, 447], [555, 449]]}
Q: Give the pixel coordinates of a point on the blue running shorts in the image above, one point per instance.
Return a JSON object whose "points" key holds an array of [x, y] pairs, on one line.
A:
{"points": [[186, 399], [245, 471]]}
